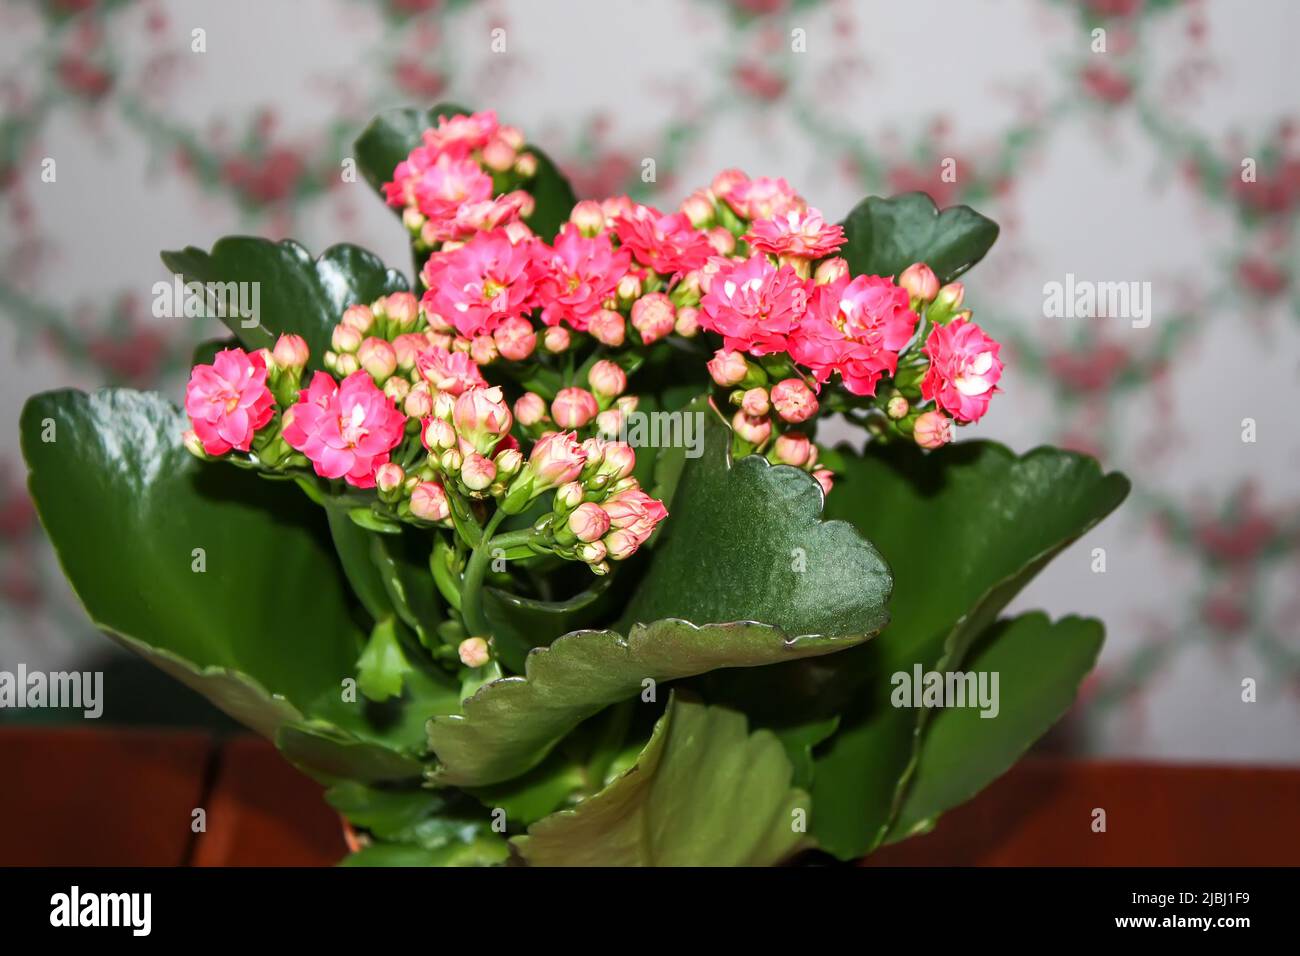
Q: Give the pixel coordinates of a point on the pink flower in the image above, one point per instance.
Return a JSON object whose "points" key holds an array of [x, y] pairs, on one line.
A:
{"points": [[480, 284], [346, 430], [446, 371], [633, 517], [478, 216], [461, 135], [482, 418], [754, 305], [932, 429], [228, 401], [857, 328], [964, 369], [794, 401], [762, 198], [577, 275], [442, 188], [574, 407], [668, 244], [557, 458], [797, 233]]}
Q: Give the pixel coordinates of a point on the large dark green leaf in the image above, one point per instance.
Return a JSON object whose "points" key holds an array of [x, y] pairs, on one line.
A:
{"points": [[885, 236], [1040, 665], [417, 827], [392, 135], [745, 541], [295, 293], [704, 792], [264, 630], [963, 530], [519, 624]]}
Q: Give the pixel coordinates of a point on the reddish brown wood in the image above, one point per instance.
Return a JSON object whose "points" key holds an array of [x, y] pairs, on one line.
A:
{"points": [[88, 797], [263, 812], [1041, 812]]}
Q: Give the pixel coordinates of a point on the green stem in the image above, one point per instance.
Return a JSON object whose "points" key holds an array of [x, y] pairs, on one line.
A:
{"points": [[471, 588]]}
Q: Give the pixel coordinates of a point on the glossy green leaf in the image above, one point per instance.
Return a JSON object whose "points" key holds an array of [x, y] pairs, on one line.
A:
{"points": [[885, 236], [295, 293], [382, 667], [488, 849], [963, 530], [704, 792], [519, 624], [418, 827], [263, 629], [745, 541], [1040, 665], [392, 135], [511, 724]]}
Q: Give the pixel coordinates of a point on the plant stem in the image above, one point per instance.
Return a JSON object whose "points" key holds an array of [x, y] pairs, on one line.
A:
{"points": [[471, 589]]}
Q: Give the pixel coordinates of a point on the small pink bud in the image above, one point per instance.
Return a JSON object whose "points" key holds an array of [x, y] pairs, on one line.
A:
{"points": [[389, 477], [418, 402], [378, 358], [932, 430], [825, 478], [794, 400], [722, 241], [477, 472], [950, 297], [473, 652], [588, 217], [557, 458], [726, 181], [727, 368], [793, 448], [444, 405], [291, 351], [515, 339], [407, 348], [193, 444], [483, 349], [589, 522], [607, 379], [482, 419], [498, 156], [397, 388], [688, 322], [830, 270], [629, 287], [653, 316], [621, 544], [897, 407], [751, 429], [607, 328], [574, 407], [593, 552], [429, 502], [358, 317], [698, 208], [526, 166], [755, 402], [438, 435], [920, 282], [610, 421], [530, 409], [556, 339], [618, 459], [569, 495], [345, 365], [508, 462], [345, 338], [517, 231], [403, 308]]}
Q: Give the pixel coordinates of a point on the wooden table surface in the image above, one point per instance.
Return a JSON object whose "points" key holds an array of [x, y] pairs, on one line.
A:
{"points": [[115, 797]]}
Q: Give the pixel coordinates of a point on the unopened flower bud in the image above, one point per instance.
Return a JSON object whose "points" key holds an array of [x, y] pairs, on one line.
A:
{"points": [[751, 429], [688, 322], [403, 308], [530, 409], [377, 358], [794, 400], [291, 351], [946, 303], [515, 339], [607, 328], [508, 463], [389, 477], [725, 181], [698, 208], [345, 365], [897, 407], [825, 478], [755, 402], [933, 429], [358, 317], [193, 444], [653, 316], [482, 419], [574, 407], [346, 338], [407, 347], [618, 459], [556, 339], [621, 544], [451, 460], [429, 502], [629, 287], [830, 270], [419, 400], [920, 282], [477, 472], [526, 166], [792, 448], [483, 350], [557, 458], [588, 217], [588, 522], [727, 368], [444, 405], [722, 241], [498, 155], [473, 652], [569, 495], [593, 552], [607, 379], [397, 388], [438, 435]]}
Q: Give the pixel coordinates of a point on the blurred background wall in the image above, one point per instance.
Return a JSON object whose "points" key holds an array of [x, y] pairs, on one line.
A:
{"points": [[1113, 156]]}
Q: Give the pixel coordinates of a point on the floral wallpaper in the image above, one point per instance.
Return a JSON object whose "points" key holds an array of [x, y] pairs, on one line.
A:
{"points": [[1148, 143]]}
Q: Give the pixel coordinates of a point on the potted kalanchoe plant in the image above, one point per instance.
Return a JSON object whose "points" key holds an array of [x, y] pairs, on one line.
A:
{"points": [[537, 558]]}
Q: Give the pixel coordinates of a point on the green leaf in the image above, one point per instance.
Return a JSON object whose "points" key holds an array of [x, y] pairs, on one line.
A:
{"points": [[294, 292], [704, 792], [382, 666], [745, 541], [1040, 665], [403, 565], [264, 629], [885, 236], [511, 724], [392, 135], [519, 623], [489, 849], [417, 827], [963, 530]]}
